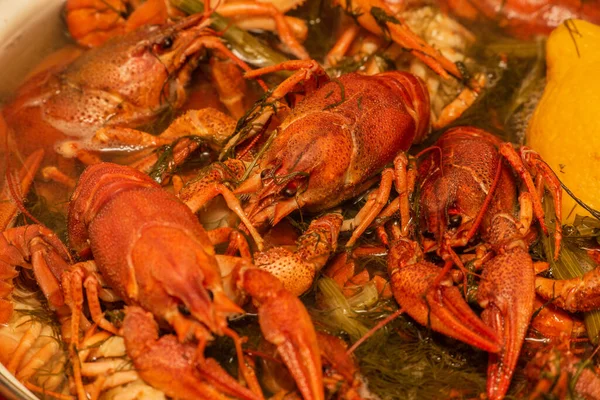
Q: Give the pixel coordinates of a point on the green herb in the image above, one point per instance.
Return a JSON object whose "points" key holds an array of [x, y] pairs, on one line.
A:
{"points": [[572, 262], [342, 95], [246, 46], [383, 19], [337, 313], [165, 165], [403, 359]]}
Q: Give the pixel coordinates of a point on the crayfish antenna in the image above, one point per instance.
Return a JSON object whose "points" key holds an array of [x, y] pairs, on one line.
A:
{"points": [[285, 323], [17, 187]]}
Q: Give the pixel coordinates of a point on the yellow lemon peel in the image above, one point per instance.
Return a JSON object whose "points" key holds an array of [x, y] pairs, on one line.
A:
{"points": [[565, 127]]}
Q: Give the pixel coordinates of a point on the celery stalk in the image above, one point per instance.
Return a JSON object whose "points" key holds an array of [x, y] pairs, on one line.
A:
{"points": [[340, 313]]}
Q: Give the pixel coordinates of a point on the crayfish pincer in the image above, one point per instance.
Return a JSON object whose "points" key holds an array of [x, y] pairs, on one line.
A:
{"points": [[152, 251]]}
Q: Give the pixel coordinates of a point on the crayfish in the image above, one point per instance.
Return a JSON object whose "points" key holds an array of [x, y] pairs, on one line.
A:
{"points": [[129, 81], [329, 148], [525, 18], [466, 190], [152, 252], [93, 22]]}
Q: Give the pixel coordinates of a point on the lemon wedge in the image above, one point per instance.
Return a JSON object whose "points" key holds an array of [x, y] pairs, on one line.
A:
{"points": [[565, 127]]}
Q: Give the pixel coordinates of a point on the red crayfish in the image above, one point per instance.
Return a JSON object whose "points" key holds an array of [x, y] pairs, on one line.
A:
{"points": [[467, 190], [331, 146], [526, 18], [327, 149], [152, 252]]}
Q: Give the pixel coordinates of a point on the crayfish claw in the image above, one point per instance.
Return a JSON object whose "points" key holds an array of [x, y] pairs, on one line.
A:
{"points": [[507, 291], [170, 366], [286, 324], [433, 302], [442, 308], [581, 293], [297, 270]]}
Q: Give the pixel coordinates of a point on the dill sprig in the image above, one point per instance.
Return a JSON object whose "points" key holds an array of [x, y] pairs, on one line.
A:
{"points": [[573, 260], [402, 360], [48, 214], [245, 45], [165, 164]]}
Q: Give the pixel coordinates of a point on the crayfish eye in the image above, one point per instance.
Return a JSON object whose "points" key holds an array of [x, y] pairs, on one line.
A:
{"points": [[290, 190], [265, 173], [428, 235], [455, 221], [166, 43], [183, 309]]}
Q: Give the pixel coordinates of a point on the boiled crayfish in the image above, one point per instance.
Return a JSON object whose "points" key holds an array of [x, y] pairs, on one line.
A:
{"points": [[152, 252], [129, 81], [367, 121], [328, 148], [92, 22], [466, 187], [162, 260], [525, 18]]}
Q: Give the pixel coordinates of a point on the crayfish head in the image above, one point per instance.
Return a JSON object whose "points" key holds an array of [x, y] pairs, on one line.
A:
{"points": [[464, 183], [444, 215], [305, 167], [145, 70], [279, 194]]}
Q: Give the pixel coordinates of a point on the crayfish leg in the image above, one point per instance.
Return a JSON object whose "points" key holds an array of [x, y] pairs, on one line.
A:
{"points": [[10, 208], [250, 8], [39, 248], [400, 33], [308, 75], [374, 205], [199, 192], [73, 283]]}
